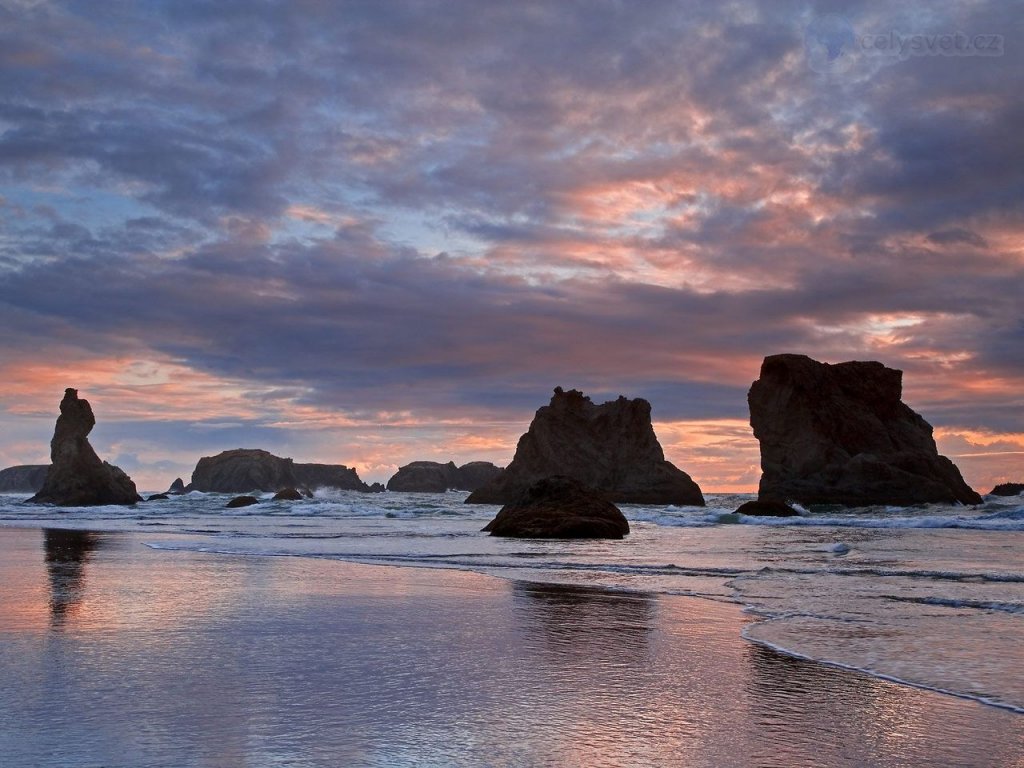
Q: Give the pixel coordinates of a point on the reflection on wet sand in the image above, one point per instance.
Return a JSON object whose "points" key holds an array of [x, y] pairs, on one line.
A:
{"points": [[860, 717], [591, 623], [66, 553]]}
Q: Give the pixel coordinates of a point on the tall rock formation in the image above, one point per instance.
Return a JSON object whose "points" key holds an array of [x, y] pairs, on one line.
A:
{"points": [[24, 478], [840, 434], [245, 469], [434, 477], [77, 476], [610, 448]]}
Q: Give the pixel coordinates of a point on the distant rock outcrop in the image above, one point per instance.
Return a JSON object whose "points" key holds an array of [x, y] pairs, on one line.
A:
{"points": [[1003, 489], [839, 434], [434, 477], [315, 476], [177, 487], [245, 469], [24, 478], [77, 476], [610, 448], [559, 507]]}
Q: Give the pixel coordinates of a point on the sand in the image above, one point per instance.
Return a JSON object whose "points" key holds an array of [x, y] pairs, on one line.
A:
{"points": [[115, 654]]}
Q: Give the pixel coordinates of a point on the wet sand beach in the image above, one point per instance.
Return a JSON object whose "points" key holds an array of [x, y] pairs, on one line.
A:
{"points": [[116, 654]]}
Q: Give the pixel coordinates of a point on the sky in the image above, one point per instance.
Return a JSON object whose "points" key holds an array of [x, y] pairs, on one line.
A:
{"points": [[376, 232]]}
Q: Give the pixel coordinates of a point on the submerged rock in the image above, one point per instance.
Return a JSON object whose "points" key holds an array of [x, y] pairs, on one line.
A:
{"points": [[241, 501], [840, 434], [1007, 489], [77, 476], [434, 477], [157, 497], [760, 508], [246, 469], [559, 508], [24, 478], [611, 448], [288, 494]]}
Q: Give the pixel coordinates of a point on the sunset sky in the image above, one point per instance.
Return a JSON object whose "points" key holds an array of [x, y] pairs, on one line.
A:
{"points": [[374, 232]]}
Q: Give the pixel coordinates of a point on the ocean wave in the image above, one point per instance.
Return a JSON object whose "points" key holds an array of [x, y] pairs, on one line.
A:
{"points": [[1005, 520], [747, 634], [950, 602]]}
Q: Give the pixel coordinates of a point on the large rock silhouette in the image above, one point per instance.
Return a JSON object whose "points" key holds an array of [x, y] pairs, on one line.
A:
{"points": [[434, 477], [251, 469], [610, 448], [77, 476], [24, 478], [840, 434]]}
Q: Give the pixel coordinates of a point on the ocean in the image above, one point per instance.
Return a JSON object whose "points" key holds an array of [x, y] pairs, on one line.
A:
{"points": [[930, 597]]}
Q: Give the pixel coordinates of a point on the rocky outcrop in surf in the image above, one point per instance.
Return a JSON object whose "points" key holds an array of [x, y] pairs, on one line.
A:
{"points": [[434, 477], [252, 469], [759, 508], [840, 434], [559, 508], [24, 478], [610, 448], [77, 476], [241, 501], [1003, 489], [177, 487]]}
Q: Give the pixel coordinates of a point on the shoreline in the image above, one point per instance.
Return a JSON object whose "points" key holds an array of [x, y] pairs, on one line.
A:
{"points": [[360, 664]]}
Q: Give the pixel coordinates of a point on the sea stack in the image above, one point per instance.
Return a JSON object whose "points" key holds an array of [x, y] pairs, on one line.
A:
{"points": [[840, 434], [77, 476], [610, 448]]}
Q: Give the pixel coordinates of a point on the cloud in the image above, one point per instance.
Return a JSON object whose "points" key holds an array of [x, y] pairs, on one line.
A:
{"points": [[323, 216]]}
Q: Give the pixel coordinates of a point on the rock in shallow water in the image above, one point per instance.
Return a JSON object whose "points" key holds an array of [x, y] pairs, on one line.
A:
{"points": [[241, 501], [559, 508], [77, 476], [758, 508], [839, 434], [288, 494]]}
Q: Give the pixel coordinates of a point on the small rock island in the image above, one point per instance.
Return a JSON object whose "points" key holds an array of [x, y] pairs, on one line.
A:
{"points": [[23, 478], [434, 477], [252, 469]]}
